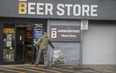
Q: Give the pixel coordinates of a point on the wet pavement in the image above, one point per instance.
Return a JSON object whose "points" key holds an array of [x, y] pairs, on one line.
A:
{"points": [[55, 69]]}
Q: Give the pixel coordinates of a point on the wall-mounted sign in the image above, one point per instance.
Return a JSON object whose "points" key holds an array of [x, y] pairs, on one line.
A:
{"points": [[8, 30], [74, 9], [38, 34], [65, 33], [37, 8], [84, 24]]}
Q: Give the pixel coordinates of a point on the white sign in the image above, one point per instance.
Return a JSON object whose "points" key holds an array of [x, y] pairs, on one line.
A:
{"points": [[53, 32], [84, 24]]}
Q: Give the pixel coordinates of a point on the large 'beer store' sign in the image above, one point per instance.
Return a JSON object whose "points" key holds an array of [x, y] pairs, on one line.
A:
{"points": [[60, 9]]}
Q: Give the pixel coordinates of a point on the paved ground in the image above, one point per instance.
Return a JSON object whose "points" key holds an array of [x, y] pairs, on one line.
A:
{"points": [[55, 69], [104, 68]]}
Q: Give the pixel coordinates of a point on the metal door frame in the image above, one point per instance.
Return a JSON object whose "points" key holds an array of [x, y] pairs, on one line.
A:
{"points": [[16, 44], [23, 25]]}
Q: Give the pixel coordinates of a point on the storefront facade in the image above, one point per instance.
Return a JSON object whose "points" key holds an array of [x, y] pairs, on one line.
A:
{"points": [[83, 30]]}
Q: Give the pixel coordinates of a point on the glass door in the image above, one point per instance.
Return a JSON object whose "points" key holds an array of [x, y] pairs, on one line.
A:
{"points": [[8, 45], [20, 44]]}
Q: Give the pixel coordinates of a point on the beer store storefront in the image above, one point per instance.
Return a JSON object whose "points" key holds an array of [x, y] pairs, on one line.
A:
{"points": [[18, 40], [81, 29]]}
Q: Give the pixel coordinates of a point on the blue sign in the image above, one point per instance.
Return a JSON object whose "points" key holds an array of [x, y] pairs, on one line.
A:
{"points": [[38, 34]]}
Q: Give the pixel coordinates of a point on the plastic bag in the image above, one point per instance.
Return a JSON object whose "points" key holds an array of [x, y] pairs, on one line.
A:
{"points": [[58, 57]]}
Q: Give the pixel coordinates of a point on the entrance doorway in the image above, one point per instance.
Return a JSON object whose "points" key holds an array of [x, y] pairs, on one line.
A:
{"points": [[24, 44], [26, 51]]}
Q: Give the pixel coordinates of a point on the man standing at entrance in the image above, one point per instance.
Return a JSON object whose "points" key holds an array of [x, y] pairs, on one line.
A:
{"points": [[43, 43]]}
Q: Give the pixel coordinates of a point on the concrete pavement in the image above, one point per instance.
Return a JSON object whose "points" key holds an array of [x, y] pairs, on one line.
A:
{"points": [[104, 68], [25, 68]]}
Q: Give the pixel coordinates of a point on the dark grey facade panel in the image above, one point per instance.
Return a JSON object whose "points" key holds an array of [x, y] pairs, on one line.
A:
{"points": [[70, 48], [102, 9], [1, 42]]}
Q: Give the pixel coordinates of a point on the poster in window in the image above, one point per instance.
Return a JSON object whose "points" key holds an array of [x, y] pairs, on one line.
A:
{"points": [[38, 34], [8, 43]]}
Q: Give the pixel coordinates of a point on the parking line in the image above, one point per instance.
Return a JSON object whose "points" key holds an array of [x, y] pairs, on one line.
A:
{"points": [[11, 70], [27, 69], [45, 69]]}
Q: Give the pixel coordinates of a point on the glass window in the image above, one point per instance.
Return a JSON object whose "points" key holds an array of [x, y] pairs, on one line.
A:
{"points": [[8, 47]]}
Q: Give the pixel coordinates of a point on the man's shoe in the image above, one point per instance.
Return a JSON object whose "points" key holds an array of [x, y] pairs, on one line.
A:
{"points": [[36, 65]]}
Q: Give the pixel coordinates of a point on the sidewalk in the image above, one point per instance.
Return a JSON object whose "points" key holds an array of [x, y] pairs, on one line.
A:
{"points": [[27, 68], [104, 68]]}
